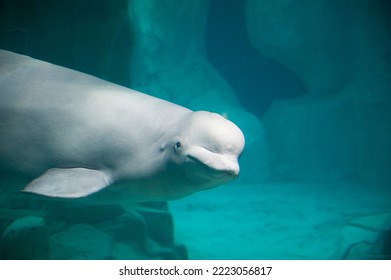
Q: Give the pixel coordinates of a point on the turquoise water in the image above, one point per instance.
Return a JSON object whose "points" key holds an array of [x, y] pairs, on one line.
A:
{"points": [[308, 84]]}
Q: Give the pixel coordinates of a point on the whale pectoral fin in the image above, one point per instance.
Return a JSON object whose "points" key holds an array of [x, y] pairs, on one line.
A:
{"points": [[69, 182]]}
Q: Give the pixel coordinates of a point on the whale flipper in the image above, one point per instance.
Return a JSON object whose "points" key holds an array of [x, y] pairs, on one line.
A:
{"points": [[69, 182]]}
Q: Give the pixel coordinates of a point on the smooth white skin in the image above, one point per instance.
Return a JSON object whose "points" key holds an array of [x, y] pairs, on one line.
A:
{"points": [[54, 117]]}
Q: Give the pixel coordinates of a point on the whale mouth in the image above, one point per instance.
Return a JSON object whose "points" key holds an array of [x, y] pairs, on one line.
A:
{"points": [[210, 176], [222, 165]]}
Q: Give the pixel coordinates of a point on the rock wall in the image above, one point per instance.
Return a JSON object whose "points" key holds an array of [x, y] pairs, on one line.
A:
{"points": [[311, 38], [341, 51]]}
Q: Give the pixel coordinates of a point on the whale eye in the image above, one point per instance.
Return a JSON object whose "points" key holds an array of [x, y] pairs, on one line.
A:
{"points": [[178, 145]]}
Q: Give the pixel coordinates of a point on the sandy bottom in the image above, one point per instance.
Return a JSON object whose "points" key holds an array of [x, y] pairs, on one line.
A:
{"points": [[273, 221]]}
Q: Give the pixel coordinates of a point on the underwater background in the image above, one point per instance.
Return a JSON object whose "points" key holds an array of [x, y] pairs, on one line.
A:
{"points": [[309, 84]]}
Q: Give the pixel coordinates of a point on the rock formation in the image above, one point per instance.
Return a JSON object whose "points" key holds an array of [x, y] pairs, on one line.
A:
{"points": [[26, 238], [341, 51]]}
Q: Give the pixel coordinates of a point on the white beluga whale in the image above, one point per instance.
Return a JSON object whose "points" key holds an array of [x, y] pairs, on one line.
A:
{"points": [[74, 135]]}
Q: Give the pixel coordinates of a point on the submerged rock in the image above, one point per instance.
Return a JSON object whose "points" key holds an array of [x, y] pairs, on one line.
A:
{"points": [[77, 212], [25, 239], [146, 229], [129, 227], [81, 242], [366, 238], [139, 231], [126, 251], [159, 221]]}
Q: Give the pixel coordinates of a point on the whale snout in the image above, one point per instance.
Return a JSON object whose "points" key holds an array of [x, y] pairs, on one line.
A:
{"points": [[219, 163], [228, 165]]}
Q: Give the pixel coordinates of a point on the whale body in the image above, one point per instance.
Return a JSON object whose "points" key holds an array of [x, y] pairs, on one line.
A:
{"points": [[75, 135]]}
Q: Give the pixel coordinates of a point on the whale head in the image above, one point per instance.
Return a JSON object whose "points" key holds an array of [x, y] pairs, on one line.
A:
{"points": [[208, 149]]}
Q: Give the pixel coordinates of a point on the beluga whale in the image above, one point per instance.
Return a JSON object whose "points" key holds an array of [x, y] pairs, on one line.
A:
{"points": [[73, 135]]}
